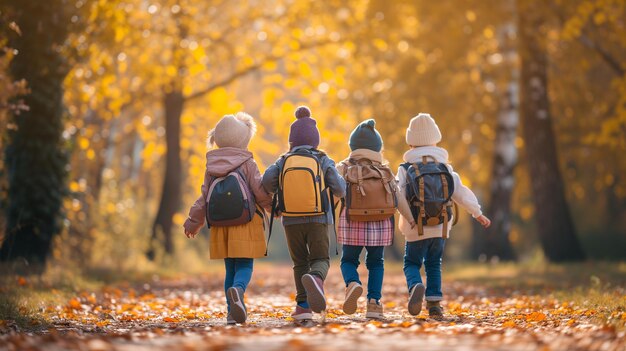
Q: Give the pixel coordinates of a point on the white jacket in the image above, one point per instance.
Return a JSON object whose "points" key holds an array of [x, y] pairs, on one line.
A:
{"points": [[462, 195]]}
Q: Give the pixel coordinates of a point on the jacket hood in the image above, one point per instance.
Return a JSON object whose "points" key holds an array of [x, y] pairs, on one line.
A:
{"points": [[415, 155], [224, 160]]}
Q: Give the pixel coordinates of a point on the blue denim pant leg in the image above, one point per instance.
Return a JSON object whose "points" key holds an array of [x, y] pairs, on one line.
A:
{"points": [[229, 265], [432, 265], [350, 262], [414, 252], [375, 263], [238, 273]]}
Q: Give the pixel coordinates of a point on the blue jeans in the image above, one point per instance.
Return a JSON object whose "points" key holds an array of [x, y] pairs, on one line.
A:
{"points": [[430, 253], [374, 262], [238, 273]]}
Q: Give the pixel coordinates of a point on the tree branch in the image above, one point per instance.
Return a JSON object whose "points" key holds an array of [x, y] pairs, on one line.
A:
{"points": [[606, 57], [245, 71], [589, 43]]}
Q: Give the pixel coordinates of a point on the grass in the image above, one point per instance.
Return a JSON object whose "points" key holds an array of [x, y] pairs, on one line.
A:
{"points": [[25, 291], [539, 277], [597, 286]]}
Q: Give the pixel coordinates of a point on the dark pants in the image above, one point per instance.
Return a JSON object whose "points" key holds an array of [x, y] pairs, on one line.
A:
{"points": [[308, 246], [428, 252]]}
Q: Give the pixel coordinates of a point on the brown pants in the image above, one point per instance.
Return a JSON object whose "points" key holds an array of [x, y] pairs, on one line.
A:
{"points": [[308, 246]]}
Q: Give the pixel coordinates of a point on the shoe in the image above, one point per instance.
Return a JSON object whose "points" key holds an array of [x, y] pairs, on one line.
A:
{"points": [[230, 320], [353, 292], [302, 313], [237, 307], [415, 299], [314, 287], [374, 309], [435, 310]]}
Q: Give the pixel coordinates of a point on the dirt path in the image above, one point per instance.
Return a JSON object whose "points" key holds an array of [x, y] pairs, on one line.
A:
{"points": [[189, 314]]}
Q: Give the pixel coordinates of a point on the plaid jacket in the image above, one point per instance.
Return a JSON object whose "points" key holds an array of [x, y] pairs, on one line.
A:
{"points": [[376, 233]]}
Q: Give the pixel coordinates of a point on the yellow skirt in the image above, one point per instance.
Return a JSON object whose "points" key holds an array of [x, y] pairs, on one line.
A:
{"points": [[241, 241]]}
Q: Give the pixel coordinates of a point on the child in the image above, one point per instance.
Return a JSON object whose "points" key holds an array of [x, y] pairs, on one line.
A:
{"points": [[373, 234], [425, 242], [300, 178], [238, 244]]}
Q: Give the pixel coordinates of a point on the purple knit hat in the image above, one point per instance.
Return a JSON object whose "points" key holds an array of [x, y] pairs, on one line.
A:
{"points": [[304, 130]]}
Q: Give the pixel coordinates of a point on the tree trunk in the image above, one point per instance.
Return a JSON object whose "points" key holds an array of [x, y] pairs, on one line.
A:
{"points": [[35, 161], [170, 196], [505, 159], [554, 222], [494, 243]]}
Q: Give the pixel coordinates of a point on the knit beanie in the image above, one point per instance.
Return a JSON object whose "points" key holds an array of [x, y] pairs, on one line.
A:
{"points": [[422, 131], [233, 131], [304, 129], [365, 136]]}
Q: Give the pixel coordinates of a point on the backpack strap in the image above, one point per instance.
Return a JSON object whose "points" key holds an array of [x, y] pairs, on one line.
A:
{"points": [[273, 212], [426, 157], [383, 180], [359, 172], [420, 219], [417, 169], [420, 204], [455, 211], [444, 210]]}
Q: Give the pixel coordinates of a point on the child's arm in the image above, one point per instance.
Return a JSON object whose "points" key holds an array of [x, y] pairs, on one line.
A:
{"points": [[334, 181], [270, 178], [467, 200], [197, 213], [403, 205], [253, 176]]}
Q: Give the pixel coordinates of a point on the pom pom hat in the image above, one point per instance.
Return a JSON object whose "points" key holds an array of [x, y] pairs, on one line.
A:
{"points": [[304, 130], [365, 136]]}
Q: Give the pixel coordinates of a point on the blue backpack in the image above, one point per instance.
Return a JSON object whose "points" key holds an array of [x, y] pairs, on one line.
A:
{"points": [[429, 192]]}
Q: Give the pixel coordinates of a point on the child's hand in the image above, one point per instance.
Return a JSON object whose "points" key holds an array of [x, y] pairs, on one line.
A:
{"points": [[484, 221], [278, 214], [190, 234]]}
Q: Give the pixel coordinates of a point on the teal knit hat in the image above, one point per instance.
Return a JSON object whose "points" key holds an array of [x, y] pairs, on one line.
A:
{"points": [[365, 136]]}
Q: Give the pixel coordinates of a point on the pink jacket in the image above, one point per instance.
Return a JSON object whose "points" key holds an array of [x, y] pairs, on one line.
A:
{"points": [[220, 162]]}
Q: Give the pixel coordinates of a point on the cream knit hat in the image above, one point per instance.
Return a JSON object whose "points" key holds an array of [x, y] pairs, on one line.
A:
{"points": [[422, 131], [233, 131]]}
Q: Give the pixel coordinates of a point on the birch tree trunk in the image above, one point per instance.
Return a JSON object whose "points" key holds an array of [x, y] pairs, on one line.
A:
{"points": [[494, 242]]}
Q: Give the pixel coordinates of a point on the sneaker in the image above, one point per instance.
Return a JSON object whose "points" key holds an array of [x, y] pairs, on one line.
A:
{"points": [[353, 292], [237, 307], [230, 320], [374, 309], [314, 287], [434, 309], [302, 313], [415, 299]]}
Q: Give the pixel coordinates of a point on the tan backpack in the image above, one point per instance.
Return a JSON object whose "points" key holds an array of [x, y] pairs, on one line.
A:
{"points": [[371, 191]]}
